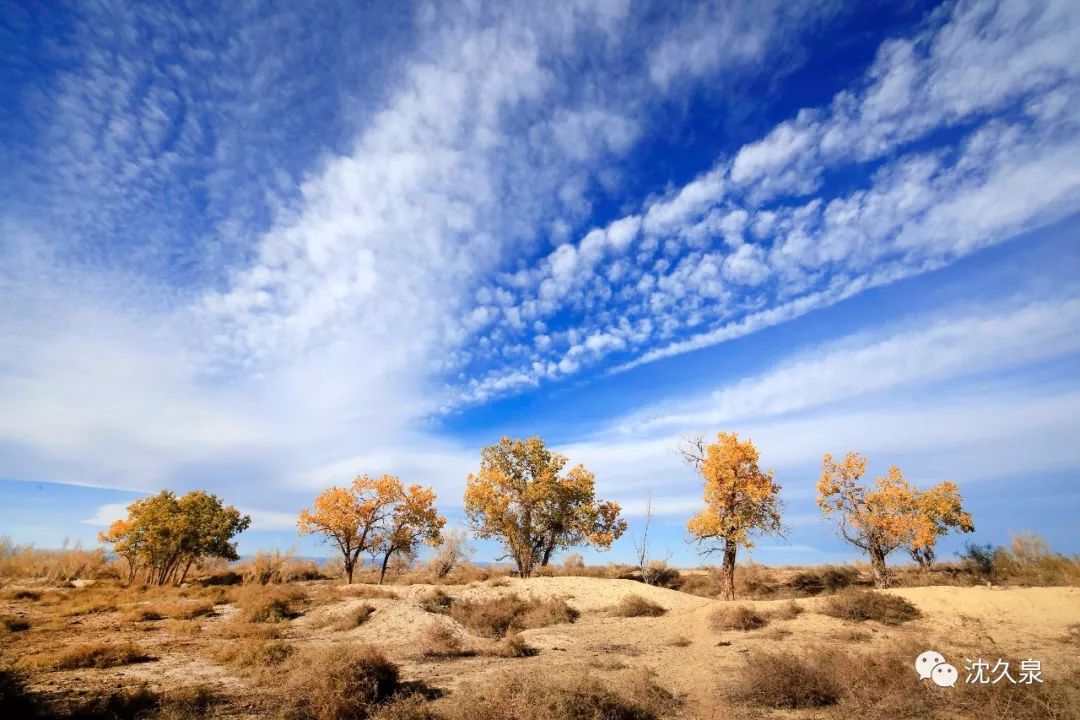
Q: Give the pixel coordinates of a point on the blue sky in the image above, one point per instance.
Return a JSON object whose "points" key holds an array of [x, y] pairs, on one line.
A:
{"points": [[263, 247]]}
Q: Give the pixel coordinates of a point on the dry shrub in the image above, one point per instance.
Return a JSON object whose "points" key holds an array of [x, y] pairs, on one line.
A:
{"points": [[884, 686], [12, 623], [269, 603], [245, 630], [114, 704], [703, 584], [497, 582], [407, 707], [63, 565], [254, 653], [436, 601], [830, 578], [680, 641], [862, 605], [440, 641], [1029, 561], [788, 611], [788, 681], [146, 613], [755, 581], [853, 636], [189, 703], [367, 592], [91, 655], [738, 617], [338, 682], [637, 606], [179, 610], [565, 696], [495, 617], [22, 594], [89, 602], [353, 618], [513, 646], [1072, 635]]}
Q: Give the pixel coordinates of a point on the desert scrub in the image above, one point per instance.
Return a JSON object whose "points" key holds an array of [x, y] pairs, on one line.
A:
{"points": [[788, 611], [338, 682], [637, 606], [91, 655], [784, 680], [566, 696], [512, 646], [739, 617], [436, 601], [497, 616], [178, 610], [440, 641], [353, 618], [12, 623], [254, 653], [269, 603], [862, 605]]}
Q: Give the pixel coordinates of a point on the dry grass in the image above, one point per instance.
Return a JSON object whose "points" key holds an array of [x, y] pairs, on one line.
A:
{"points": [[354, 618], [886, 688], [254, 653], [178, 610], [269, 603], [680, 641], [862, 605], [367, 592], [440, 641], [637, 606], [788, 611], [436, 601], [407, 707], [91, 655], [737, 617], [512, 646], [246, 630], [336, 683], [63, 565], [12, 623], [566, 696], [497, 616]]}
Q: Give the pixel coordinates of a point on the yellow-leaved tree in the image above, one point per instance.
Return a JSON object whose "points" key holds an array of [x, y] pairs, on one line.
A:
{"points": [[412, 520], [890, 515], [740, 500], [522, 497], [349, 518]]}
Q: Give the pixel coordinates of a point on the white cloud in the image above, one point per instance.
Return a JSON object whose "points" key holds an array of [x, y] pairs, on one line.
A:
{"points": [[107, 514]]}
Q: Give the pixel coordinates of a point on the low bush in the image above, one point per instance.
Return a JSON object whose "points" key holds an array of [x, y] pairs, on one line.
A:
{"points": [[91, 655], [565, 696], [354, 618], [513, 646], [269, 603], [440, 641], [436, 601], [338, 682], [737, 617], [862, 605], [497, 616], [12, 623], [255, 653], [637, 606], [788, 611], [784, 680]]}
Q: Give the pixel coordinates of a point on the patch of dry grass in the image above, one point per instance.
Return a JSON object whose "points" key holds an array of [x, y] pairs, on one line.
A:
{"points": [[337, 682], [680, 641], [637, 606], [565, 696], [512, 646], [269, 603], [886, 688], [436, 601], [13, 623], [495, 617], [862, 605], [440, 641], [353, 618], [737, 617], [177, 610], [788, 611], [254, 653], [91, 655]]}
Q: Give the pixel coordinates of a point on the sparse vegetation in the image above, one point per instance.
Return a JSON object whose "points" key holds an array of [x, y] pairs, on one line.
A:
{"points": [[738, 617], [338, 682], [269, 603], [861, 605], [254, 653], [440, 641], [637, 606], [91, 655], [497, 616], [11, 623]]}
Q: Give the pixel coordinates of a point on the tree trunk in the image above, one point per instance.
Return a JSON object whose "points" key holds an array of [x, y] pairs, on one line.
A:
{"points": [[878, 568], [727, 570], [349, 564], [385, 562], [183, 575]]}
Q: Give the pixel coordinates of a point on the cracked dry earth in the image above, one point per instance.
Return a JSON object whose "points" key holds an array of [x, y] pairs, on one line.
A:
{"points": [[687, 656]]}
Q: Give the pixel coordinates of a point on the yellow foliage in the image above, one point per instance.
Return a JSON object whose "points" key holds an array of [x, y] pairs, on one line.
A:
{"points": [[522, 497]]}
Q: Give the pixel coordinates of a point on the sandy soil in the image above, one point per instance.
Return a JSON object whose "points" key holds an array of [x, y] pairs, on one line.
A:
{"points": [[687, 656]]}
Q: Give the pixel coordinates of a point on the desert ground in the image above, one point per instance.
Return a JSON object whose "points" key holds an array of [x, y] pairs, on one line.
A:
{"points": [[676, 655]]}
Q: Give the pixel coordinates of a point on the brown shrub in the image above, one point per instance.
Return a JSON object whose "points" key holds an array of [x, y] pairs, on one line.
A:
{"points": [[269, 603], [862, 605], [338, 682], [567, 696], [368, 592], [513, 646], [188, 703], [178, 610], [788, 611], [22, 594], [254, 653], [436, 601], [494, 617], [12, 623], [245, 630], [91, 655], [637, 606], [440, 641], [680, 641], [886, 688], [738, 617], [353, 618]]}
